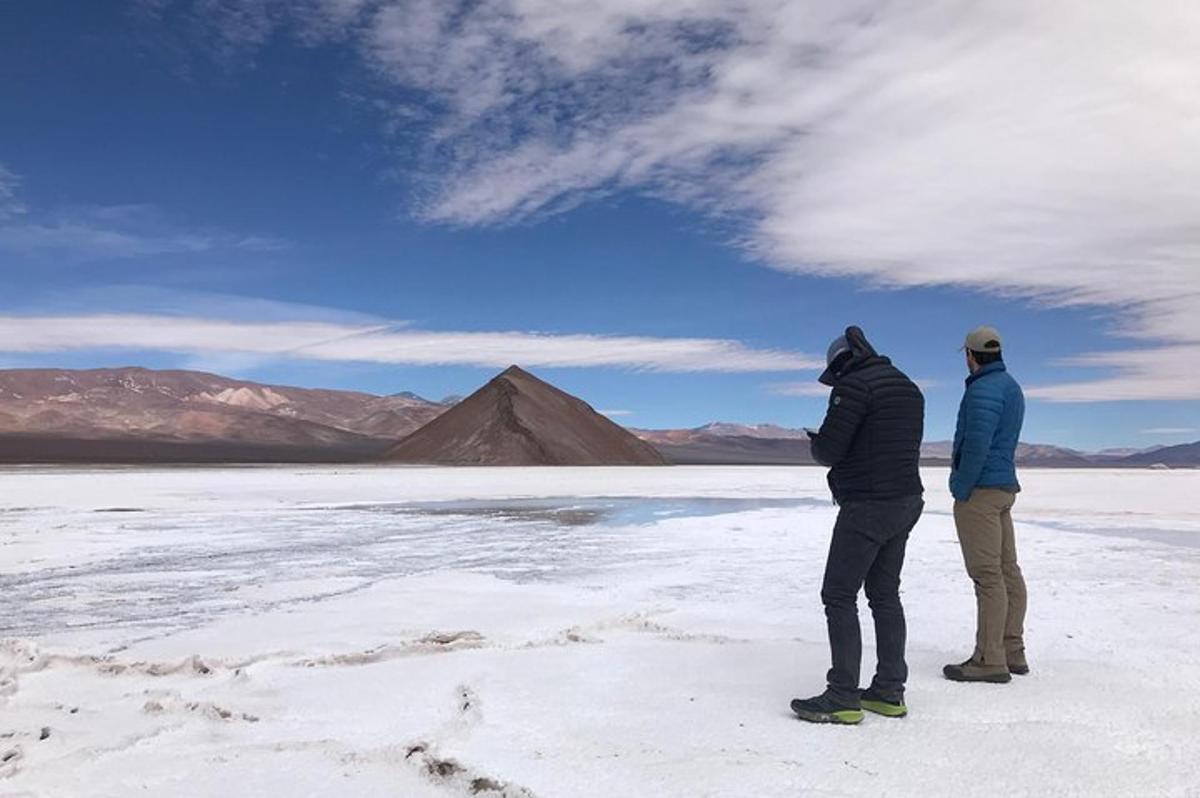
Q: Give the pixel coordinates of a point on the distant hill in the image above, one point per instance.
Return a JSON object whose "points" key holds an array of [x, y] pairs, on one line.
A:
{"points": [[1032, 455], [1128, 451], [773, 431], [1186, 455], [518, 419], [143, 415], [738, 450], [1046, 456], [722, 443], [768, 444]]}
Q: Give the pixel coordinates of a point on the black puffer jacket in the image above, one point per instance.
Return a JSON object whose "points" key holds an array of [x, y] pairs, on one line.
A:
{"points": [[871, 437]]}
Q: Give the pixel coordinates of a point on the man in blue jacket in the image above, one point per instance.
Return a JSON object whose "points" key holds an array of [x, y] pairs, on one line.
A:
{"points": [[983, 480]]}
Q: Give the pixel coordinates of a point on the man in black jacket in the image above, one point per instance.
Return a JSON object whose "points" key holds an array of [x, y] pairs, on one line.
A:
{"points": [[871, 441]]}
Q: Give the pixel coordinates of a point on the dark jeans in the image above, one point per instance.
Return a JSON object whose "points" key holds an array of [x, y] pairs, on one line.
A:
{"points": [[868, 549]]}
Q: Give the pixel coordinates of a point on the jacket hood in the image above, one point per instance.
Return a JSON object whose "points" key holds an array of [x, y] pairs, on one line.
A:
{"points": [[861, 351]]}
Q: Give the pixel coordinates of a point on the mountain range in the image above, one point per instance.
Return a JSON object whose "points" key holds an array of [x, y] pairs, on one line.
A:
{"points": [[768, 444], [136, 415], [130, 415], [724, 443]]}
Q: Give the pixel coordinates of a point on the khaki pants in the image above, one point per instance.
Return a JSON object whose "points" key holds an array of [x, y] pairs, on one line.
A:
{"points": [[985, 532]]}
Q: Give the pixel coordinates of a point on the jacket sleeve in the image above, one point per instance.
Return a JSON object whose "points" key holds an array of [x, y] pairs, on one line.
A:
{"points": [[847, 409], [980, 419]]}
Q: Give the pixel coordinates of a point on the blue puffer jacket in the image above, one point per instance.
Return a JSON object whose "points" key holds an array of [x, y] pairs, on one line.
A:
{"points": [[989, 426]]}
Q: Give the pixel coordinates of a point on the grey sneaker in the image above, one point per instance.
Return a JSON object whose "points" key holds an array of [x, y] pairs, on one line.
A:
{"points": [[826, 709]]}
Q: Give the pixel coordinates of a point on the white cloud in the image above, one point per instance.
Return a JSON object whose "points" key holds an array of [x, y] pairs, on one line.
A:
{"points": [[385, 343], [616, 413], [1027, 148], [1170, 430]]}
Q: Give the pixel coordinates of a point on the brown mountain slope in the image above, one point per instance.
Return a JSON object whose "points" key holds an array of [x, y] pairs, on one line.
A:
{"points": [[141, 415], [42, 399], [517, 419]]}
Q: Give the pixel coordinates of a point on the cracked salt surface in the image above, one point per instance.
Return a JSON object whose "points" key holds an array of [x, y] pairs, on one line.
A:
{"points": [[593, 632]]}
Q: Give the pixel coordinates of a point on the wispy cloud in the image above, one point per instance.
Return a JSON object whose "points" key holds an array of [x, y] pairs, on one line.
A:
{"points": [[1170, 430], [10, 203], [91, 242], [1139, 374], [385, 343], [616, 413], [1030, 149], [98, 232], [812, 388]]}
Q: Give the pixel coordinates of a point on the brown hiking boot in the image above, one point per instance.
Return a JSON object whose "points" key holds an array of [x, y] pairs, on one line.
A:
{"points": [[972, 671]]}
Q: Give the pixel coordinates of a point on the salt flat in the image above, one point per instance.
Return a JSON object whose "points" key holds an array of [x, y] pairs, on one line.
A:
{"points": [[563, 632]]}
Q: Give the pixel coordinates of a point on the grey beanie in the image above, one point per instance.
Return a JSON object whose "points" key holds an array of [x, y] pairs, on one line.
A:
{"points": [[839, 347]]}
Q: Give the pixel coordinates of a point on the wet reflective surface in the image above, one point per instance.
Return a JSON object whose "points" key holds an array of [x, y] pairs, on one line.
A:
{"points": [[192, 567]]}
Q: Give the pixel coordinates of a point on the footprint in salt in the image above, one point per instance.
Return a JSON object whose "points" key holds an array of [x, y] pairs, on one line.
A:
{"points": [[10, 759]]}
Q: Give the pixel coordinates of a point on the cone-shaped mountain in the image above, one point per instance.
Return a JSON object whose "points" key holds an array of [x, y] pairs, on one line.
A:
{"points": [[517, 419]]}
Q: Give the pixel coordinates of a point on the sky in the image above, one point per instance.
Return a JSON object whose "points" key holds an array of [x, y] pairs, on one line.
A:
{"points": [[668, 208]]}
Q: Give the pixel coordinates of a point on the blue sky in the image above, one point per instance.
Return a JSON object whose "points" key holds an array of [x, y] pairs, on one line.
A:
{"points": [[669, 212]]}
